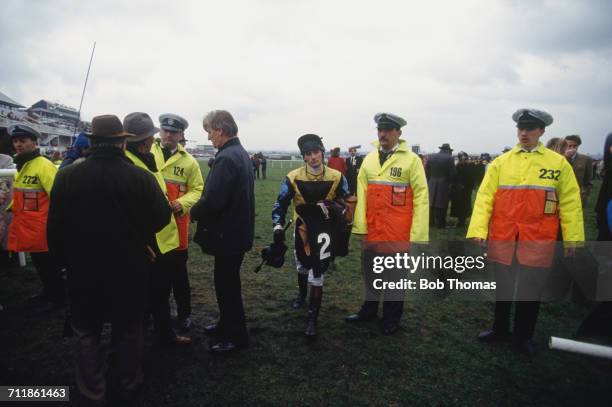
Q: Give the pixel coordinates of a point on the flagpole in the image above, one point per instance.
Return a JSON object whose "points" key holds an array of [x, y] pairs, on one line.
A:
{"points": [[84, 88]]}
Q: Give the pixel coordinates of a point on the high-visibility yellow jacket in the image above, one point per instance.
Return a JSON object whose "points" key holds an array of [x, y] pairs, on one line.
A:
{"points": [[30, 206], [183, 178], [523, 197], [167, 238], [392, 200]]}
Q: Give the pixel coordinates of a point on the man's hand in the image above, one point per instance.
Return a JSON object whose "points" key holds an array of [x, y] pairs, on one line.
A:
{"points": [[279, 235], [176, 207]]}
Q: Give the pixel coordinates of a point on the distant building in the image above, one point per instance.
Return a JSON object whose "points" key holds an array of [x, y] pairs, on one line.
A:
{"points": [[8, 103], [55, 111], [56, 123], [203, 150]]}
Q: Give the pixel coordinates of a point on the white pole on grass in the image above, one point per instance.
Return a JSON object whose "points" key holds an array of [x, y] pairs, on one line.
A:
{"points": [[583, 348]]}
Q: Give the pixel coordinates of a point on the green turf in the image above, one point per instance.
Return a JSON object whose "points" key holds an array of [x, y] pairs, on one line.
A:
{"points": [[434, 360]]}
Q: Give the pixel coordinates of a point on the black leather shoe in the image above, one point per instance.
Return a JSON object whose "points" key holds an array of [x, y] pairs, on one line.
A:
{"points": [[211, 329], [527, 348], [492, 336], [224, 347], [298, 302], [359, 318], [390, 329]]}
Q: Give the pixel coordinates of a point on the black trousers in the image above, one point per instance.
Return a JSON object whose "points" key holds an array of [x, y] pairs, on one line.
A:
{"points": [[159, 296], [393, 300], [392, 311], [51, 276], [177, 260], [525, 318], [437, 217], [232, 321], [523, 286]]}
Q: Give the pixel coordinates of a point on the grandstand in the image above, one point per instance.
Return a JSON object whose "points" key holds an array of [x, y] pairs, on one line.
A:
{"points": [[56, 123]]}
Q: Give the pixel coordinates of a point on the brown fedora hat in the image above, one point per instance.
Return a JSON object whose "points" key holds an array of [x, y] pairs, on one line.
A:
{"points": [[107, 126]]}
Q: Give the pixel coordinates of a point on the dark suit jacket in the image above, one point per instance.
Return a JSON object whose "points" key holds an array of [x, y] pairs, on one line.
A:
{"points": [[440, 170], [352, 170], [583, 168], [226, 210]]}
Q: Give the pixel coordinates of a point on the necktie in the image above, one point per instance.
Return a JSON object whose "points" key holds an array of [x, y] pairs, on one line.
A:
{"points": [[382, 156], [167, 153]]}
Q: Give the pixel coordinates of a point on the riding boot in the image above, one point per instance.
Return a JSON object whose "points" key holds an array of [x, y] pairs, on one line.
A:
{"points": [[300, 300], [316, 294]]}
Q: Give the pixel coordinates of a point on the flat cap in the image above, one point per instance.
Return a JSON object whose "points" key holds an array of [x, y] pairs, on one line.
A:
{"points": [[532, 118], [388, 121], [172, 122], [140, 125], [21, 130]]}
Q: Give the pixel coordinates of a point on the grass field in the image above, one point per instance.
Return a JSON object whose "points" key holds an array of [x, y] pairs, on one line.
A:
{"points": [[433, 360]]}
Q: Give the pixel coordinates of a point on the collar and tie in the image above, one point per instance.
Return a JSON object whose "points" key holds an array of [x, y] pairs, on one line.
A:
{"points": [[383, 155], [168, 153]]}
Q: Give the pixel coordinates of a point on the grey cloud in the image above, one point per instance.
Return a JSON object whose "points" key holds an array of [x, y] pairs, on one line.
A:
{"points": [[548, 28]]}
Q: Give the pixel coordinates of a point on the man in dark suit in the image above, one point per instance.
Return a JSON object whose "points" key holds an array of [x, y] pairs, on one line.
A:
{"points": [[226, 227], [440, 170], [582, 165], [353, 164]]}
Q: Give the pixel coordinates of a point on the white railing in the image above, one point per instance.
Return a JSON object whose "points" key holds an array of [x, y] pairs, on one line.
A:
{"points": [[9, 173], [284, 164]]}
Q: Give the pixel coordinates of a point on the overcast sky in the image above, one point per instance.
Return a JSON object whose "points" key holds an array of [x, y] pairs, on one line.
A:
{"points": [[455, 70]]}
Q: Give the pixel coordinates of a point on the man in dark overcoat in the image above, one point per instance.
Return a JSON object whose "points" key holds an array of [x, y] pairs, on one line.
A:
{"points": [[226, 227], [103, 216], [440, 170], [461, 189]]}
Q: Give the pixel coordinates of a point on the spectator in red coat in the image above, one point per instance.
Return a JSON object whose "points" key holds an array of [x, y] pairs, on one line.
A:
{"points": [[336, 162]]}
